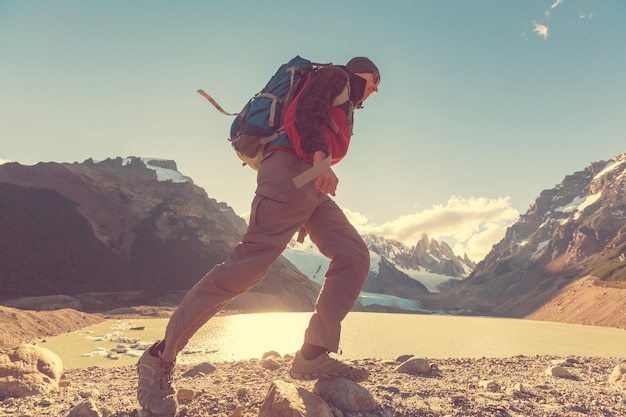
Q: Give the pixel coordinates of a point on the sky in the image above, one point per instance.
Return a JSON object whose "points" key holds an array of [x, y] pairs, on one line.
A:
{"points": [[481, 105]]}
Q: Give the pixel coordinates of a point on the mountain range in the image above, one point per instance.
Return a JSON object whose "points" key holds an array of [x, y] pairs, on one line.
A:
{"points": [[121, 225], [574, 231], [138, 226], [398, 276]]}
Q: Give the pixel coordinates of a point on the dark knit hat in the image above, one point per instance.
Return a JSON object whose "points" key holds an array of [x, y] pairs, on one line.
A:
{"points": [[362, 64]]}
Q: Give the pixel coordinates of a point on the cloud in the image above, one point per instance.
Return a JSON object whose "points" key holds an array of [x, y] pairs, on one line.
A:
{"points": [[246, 217], [541, 30], [556, 3], [468, 225], [554, 6]]}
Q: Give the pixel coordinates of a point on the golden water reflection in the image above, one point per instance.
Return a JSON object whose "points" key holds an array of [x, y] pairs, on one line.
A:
{"points": [[365, 335]]}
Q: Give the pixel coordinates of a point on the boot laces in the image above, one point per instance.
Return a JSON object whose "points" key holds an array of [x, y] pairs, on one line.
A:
{"points": [[167, 373]]}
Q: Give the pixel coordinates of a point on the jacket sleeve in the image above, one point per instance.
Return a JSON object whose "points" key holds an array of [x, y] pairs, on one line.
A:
{"points": [[312, 109]]}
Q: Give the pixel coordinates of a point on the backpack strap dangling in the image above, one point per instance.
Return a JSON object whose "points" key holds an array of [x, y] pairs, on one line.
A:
{"points": [[214, 103]]}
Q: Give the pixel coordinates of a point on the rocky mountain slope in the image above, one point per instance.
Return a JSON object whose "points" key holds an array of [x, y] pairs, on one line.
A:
{"points": [[427, 255], [398, 276], [120, 225], [412, 272], [574, 230]]}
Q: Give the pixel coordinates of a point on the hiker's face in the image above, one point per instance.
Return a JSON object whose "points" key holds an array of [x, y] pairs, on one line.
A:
{"points": [[372, 80]]}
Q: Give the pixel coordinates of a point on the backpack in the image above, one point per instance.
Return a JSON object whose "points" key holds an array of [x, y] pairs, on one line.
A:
{"points": [[261, 119]]}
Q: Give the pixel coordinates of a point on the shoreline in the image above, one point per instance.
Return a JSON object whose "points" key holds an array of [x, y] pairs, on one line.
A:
{"points": [[514, 386], [365, 335]]}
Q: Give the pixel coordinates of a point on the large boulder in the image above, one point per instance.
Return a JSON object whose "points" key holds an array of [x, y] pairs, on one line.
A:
{"points": [[346, 395], [330, 397], [286, 400], [29, 370], [618, 377]]}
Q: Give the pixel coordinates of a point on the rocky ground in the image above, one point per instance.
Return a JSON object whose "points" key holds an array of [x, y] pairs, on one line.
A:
{"points": [[516, 386]]}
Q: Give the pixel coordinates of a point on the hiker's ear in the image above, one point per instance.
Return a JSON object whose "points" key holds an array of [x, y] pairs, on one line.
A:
{"points": [[371, 83]]}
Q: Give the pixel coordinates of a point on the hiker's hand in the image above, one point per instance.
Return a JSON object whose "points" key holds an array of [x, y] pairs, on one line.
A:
{"points": [[327, 181]]}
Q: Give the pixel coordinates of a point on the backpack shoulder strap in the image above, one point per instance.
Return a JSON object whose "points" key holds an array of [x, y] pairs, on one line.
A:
{"points": [[343, 96]]}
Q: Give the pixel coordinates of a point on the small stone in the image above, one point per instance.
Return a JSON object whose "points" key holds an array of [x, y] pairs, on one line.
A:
{"points": [[391, 389], [559, 372], [414, 365], [89, 393], [489, 385], [203, 368], [46, 402], [270, 354], [85, 409], [9, 402], [518, 390], [403, 358], [185, 394], [618, 377], [270, 364]]}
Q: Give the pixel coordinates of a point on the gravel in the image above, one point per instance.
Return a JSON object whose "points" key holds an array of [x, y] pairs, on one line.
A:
{"points": [[515, 386]]}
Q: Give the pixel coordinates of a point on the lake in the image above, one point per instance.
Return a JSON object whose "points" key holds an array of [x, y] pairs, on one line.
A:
{"points": [[365, 335]]}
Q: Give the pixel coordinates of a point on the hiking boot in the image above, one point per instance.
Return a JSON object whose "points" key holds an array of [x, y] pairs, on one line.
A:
{"points": [[155, 391], [324, 367]]}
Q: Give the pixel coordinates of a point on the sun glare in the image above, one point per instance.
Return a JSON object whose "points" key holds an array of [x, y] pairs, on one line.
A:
{"points": [[251, 335]]}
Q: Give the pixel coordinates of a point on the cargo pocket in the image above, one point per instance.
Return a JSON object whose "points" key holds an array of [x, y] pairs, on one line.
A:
{"points": [[269, 208]]}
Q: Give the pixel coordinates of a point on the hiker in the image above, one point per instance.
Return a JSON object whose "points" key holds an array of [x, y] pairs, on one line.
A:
{"points": [[317, 129]]}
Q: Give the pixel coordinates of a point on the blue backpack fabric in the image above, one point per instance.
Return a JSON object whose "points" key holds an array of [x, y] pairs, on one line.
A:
{"points": [[261, 119]]}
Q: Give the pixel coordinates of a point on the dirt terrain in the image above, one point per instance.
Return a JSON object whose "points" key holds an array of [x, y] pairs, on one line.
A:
{"points": [[586, 301], [18, 326]]}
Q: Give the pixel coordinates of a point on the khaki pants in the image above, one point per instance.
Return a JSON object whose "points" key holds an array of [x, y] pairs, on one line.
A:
{"points": [[278, 211]]}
